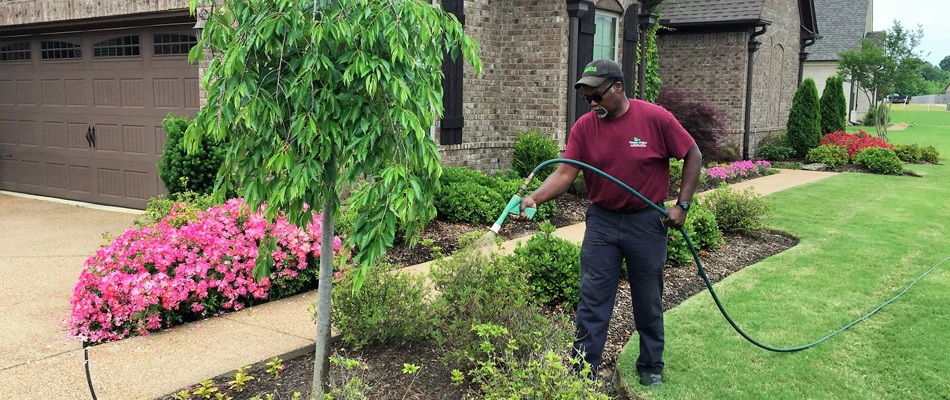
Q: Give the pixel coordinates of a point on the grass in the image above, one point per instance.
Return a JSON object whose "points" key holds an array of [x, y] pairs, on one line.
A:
{"points": [[864, 238]]}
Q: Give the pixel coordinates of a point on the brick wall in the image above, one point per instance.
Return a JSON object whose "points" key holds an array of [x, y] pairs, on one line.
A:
{"points": [[715, 65], [15, 12], [523, 84]]}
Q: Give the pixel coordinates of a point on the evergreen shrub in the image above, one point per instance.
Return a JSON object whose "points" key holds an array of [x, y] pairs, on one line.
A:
{"points": [[833, 106], [180, 171], [552, 266], [910, 153], [930, 154], [804, 119], [774, 152], [530, 150], [743, 212]]}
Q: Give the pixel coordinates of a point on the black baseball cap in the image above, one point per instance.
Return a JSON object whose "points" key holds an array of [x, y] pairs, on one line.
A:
{"points": [[599, 72]]}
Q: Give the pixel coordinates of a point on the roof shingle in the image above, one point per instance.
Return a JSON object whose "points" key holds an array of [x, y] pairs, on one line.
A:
{"points": [[842, 25], [711, 11]]}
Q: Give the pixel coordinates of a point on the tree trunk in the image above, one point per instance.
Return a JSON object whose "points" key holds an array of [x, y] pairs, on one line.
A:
{"points": [[321, 361]]}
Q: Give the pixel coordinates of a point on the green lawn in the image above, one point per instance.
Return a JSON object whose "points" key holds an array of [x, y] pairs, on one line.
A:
{"points": [[863, 239]]}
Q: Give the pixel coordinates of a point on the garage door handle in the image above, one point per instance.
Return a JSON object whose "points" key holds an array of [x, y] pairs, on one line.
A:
{"points": [[5, 155], [91, 136]]}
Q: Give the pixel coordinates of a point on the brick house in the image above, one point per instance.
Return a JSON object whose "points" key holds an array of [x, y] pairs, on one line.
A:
{"points": [[85, 84], [843, 23], [742, 56]]}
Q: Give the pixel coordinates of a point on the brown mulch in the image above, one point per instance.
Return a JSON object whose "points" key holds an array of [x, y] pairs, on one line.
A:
{"points": [[432, 381]]}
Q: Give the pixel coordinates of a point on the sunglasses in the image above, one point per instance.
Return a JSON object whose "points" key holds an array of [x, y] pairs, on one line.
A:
{"points": [[599, 97]]}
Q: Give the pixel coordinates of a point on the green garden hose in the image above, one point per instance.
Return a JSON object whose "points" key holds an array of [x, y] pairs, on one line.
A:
{"points": [[702, 270]]}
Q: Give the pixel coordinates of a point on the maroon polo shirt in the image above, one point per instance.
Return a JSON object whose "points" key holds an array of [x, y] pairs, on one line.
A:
{"points": [[636, 149]]}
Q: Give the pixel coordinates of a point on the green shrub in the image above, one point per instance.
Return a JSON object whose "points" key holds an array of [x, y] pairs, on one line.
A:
{"points": [[910, 153], [833, 106], [738, 212], [829, 154], [546, 372], [181, 171], [774, 152], [466, 195], [552, 266], [474, 288], [676, 173], [190, 203], [391, 306], [787, 165], [873, 112], [530, 150], [804, 119], [879, 160], [930, 154], [703, 231]]}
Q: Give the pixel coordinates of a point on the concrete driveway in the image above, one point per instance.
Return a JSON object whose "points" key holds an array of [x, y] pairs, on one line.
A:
{"points": [[42, 249]]}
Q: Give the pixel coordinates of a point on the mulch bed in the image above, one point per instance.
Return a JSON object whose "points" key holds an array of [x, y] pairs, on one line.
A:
{"points": [[432, 380]]}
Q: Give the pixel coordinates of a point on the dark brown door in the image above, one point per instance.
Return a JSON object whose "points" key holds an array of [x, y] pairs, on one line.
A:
{"points": [[81, 118]]}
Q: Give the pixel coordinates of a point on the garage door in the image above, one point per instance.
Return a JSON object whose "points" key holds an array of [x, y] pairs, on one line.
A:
{"points": [[81, 113]]}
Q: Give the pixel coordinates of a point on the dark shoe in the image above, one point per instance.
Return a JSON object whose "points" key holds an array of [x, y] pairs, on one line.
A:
{"points": [[649, 379]]}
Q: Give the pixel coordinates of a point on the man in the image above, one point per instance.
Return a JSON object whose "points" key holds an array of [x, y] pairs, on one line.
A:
{"points": [[632, 140]]}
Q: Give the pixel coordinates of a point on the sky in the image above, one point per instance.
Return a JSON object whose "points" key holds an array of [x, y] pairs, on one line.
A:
{"points": [[932, 15]]}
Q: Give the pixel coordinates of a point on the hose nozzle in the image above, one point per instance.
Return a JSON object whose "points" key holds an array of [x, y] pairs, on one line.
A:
{"points": [[513, 207]]}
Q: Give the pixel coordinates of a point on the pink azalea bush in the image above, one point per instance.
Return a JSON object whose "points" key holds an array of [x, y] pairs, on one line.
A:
{"points": [[737, 171], [162, 275]]}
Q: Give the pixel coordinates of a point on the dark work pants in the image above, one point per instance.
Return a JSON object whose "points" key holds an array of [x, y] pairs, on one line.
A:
{"points": [[640, 239]]}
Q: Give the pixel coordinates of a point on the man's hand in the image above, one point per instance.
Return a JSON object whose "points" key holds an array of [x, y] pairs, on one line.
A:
{"points": [[526, 202], [676, 218]]}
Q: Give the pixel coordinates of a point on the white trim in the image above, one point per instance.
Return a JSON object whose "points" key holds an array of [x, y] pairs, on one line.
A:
{"points": [[616, 23]]}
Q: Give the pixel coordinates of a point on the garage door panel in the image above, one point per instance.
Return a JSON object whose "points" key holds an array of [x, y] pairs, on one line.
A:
{"points": [[7, 92], [160, 138], [32, 173], [54, 92], [76, 135], [31, 135], [8, 132], [106, 92], [26, 92], [54, 135], [108, 138], [135, 140], [167, 93], [57, 176], [76, 92], [132, 92], [81, 179]]}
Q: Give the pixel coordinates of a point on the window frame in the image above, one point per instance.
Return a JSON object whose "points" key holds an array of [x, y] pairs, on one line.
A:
{"points": [[599, 13], [16, 48]]}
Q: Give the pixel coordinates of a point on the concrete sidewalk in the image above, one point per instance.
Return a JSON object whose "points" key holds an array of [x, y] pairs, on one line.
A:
{"points": [[42, 248]]}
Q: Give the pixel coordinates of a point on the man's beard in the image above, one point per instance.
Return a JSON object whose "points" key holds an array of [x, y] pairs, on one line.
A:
{"points": [[601, 112]]}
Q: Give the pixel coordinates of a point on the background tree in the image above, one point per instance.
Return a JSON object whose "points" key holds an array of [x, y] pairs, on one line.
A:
{"points": [[945, 64], [832, 106], [312, 96], [882, 70], [804, 119]]}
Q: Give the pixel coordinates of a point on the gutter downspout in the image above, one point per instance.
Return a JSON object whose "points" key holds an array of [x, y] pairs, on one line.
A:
{"points": [[803, 55], [754, 46]]}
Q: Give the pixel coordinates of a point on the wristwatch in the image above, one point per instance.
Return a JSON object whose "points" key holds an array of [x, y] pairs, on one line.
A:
{"points": [[684, 205]]}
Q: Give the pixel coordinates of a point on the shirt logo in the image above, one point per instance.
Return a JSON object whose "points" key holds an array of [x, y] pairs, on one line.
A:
{"points": [[636, 142]]}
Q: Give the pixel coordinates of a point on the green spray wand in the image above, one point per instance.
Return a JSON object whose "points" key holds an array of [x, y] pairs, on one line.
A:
{"points": [[514, 207]]}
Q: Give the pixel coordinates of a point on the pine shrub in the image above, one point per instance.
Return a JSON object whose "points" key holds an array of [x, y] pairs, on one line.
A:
{"points": [[390, 307], [704, 122], [181, 171], [804, 119], [829, 154], [833, 106], [530, 150], [880, 160]]}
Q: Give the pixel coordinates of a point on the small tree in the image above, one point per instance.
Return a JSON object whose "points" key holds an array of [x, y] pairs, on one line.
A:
{"points": [[878, 70], [704, 122], [315, 95], [832, 105], [804, 119], [182, 171]]}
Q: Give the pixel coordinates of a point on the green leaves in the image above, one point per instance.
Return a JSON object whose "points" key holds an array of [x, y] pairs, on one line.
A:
{"points": [[291, 87]]}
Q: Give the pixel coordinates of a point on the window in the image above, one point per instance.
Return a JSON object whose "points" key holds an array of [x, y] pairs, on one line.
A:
{"points": [[56, 50], [15, 52], [605, 40], [170, 44], [123, 46]]}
